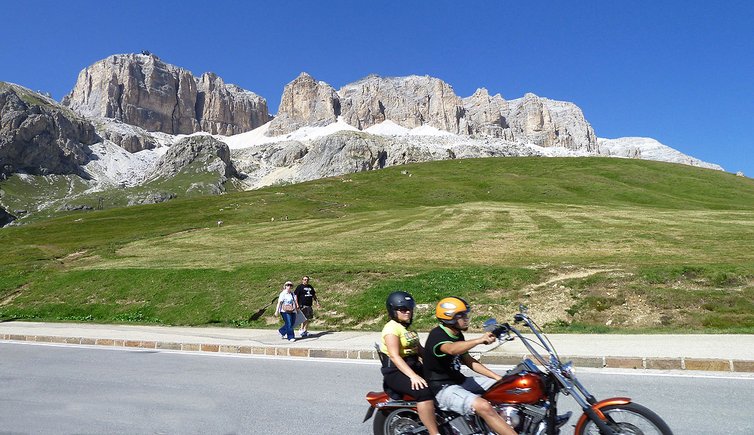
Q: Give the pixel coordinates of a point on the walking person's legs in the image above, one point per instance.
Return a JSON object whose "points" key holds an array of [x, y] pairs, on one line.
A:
{"points": [[289, 318], [309, 313]]}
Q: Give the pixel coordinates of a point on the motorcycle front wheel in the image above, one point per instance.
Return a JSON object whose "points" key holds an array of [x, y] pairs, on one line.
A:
{"points": [[631, 419], [397, 422]]}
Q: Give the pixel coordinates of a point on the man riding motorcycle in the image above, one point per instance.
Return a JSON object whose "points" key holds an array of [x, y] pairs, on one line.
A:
{"points": [[446, 350]]}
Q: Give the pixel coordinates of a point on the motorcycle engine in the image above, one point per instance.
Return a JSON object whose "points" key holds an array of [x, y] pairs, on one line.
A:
{"points": [[524, 418], [510, 414]]}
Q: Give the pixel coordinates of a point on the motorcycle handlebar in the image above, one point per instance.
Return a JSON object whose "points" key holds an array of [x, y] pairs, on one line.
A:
{"points": [[495, 328], [491, 325]]}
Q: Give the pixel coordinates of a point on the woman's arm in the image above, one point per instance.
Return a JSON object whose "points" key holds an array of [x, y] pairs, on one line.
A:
{"points": [[393, 344]]}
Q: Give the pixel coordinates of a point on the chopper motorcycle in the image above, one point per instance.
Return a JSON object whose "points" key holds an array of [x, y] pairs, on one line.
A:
{"points": [[526, 397]]}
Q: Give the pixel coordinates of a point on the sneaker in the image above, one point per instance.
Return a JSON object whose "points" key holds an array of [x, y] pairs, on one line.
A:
{"points": [[292, 340], [304, 334], [283, 337]]}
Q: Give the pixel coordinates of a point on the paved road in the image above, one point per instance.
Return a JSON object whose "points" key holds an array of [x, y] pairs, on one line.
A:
{"points": [[48, 389]]}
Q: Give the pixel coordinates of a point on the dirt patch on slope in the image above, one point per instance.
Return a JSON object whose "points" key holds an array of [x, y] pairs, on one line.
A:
{"points": [[549, 301]]}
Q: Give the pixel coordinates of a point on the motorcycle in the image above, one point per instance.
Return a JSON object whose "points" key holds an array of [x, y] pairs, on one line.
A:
{"points": [[526, 397]]}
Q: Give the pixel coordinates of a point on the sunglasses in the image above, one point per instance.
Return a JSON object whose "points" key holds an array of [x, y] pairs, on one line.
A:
{"points": [[403, 309], [462, 316]]}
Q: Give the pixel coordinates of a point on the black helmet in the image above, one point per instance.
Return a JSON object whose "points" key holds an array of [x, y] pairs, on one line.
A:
{"points": [[399, 299]]}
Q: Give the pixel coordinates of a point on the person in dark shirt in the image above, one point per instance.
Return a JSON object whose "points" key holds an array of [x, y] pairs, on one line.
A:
{"points": [[445, 350], [306, 296]]}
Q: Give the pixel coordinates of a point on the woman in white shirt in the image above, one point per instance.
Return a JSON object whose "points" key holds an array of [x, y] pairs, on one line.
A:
{"points": [[287, 307]]}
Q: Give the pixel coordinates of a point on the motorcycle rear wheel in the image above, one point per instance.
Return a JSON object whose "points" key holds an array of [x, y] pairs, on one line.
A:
{"points": [[396, 422], [632, 419]]}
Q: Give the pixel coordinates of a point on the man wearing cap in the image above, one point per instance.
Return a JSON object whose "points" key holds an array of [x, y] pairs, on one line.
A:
{"points": [[445, 351]]}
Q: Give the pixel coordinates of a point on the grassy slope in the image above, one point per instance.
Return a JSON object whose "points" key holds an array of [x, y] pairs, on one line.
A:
{"points": [[626, 243]]}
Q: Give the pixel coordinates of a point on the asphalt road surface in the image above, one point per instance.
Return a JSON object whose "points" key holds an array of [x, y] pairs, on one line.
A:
{"points": [[49, 389]]}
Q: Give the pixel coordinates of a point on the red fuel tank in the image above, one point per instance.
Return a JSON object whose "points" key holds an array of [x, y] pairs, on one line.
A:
{"points": [[517, 388]]}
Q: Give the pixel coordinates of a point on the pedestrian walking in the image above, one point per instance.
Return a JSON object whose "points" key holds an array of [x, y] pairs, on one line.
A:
{"points": [[287, 307], [306, 296]]}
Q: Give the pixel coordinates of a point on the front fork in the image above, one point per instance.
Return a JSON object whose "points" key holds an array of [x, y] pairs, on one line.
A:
{"points": [[587, 402]]}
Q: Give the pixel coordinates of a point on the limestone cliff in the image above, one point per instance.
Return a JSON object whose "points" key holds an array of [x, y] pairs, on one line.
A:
{"points": [[38, 136], [196, 154], [144, 91], [305, 102], [417, 101], [411, 101], [550, 123]]}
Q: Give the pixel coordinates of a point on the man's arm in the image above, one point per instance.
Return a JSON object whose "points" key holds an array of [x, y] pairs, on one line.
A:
{"points": [[461, 347], [478, 367]]}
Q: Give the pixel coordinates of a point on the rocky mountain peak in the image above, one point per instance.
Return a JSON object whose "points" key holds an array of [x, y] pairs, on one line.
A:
{"points": [[417, 101], [411, 101], [305, 102], [38, 136], [197, 153], [142, 90], [486, 115], [549, 123]]}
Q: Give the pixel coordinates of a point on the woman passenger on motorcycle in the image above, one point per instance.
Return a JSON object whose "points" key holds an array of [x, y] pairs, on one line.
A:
{"points": [[402, 371]]}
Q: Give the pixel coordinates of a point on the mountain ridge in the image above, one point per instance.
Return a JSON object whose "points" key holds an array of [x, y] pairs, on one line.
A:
{"points": [[144, 106]]}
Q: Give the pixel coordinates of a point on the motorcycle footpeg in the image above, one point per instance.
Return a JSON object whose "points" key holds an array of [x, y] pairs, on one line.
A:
{"points": [[563, 419]]}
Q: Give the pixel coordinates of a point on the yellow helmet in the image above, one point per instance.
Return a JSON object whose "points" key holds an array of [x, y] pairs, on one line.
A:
{"points": [[448, 308]]}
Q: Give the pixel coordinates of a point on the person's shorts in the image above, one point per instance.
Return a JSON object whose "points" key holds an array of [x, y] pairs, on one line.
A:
{"points": [[459, 398], [308, 312]]}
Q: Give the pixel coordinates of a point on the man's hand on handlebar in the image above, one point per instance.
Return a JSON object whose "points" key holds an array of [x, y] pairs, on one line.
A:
{"points": [[488, 338]]}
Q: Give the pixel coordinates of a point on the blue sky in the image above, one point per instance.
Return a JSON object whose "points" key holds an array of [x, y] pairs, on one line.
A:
{"points": [[678, 71]]}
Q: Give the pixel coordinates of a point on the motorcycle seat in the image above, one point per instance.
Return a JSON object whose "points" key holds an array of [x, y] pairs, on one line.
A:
{"points": [[392, 394]]}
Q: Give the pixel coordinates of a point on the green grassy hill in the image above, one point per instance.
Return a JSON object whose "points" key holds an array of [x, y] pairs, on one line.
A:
{"points": [[589, 244]]}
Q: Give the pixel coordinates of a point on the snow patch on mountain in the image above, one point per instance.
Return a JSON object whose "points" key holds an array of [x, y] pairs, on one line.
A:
{"points": [[258, 136], [648, 149], [111, 165], [268, 160]]}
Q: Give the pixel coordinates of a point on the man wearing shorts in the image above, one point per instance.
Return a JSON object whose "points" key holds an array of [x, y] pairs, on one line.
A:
{"points": [[306, 296], [445, 351]]}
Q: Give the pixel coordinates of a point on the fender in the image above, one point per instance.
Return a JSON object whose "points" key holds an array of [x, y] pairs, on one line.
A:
{"points": [[599, 405], [375, 397], [380, 400]]}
